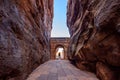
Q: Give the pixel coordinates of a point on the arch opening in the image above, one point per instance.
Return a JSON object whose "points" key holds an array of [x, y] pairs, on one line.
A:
{"points": [[60, 53]]}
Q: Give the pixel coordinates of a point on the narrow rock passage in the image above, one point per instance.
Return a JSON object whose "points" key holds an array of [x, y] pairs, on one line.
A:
{"points": [[60, 70]]}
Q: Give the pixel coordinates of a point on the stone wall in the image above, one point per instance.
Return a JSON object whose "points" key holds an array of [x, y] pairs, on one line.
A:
{"points": [[25, 27], [94, 27], [56, 42]]}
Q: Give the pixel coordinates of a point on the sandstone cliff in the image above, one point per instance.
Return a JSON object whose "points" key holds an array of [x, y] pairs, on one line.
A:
{"points": [[94, 27], [25, 27]]}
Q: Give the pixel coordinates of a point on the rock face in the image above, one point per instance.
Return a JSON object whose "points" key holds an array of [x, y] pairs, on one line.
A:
{"points": [[25, 27], [94, 26]]}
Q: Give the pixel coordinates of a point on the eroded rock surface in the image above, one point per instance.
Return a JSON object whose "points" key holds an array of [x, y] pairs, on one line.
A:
{"points": [[25, 27], [94, 27]]}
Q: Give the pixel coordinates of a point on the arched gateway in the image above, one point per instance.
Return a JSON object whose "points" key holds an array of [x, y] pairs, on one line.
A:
{"points": [[59, 47]]}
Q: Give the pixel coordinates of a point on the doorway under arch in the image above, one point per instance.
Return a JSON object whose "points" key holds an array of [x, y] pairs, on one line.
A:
{"points": [[60, 52]]}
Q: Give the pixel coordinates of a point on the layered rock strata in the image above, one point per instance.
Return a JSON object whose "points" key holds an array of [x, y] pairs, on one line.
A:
{"points": [[94, 26], [25, 27]]}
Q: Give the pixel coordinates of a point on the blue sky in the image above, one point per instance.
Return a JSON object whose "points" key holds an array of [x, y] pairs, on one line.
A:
{"points": [[59, 21]]}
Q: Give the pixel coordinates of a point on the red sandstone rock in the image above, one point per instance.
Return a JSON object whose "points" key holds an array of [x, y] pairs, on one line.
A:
{"points": [[104, 73], [25, 27], [94, 26]]}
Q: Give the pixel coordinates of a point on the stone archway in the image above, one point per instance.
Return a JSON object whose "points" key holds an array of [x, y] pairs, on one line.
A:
{"points": [[59, 52], [59, 42]]}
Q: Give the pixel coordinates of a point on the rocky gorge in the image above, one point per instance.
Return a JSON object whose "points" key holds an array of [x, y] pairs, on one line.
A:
{"points": [[25, 32], [94, 26]]}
